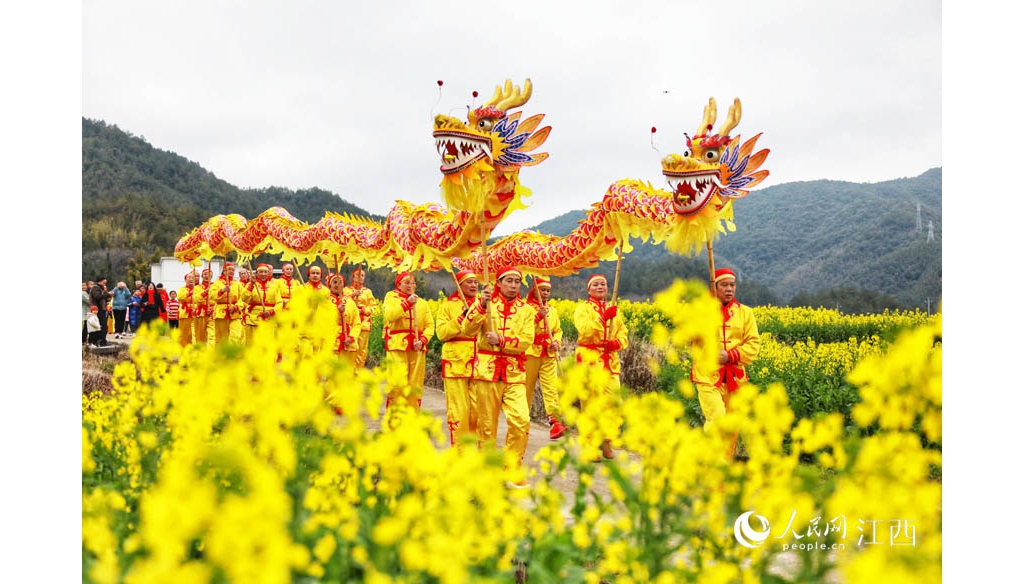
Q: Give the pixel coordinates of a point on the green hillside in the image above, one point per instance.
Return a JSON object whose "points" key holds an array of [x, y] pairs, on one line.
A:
{"points": [[137, 200], [808, 237]]}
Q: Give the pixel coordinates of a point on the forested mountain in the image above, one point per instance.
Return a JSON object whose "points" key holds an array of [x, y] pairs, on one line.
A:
{"points": [[137, 201], [824, 242], [802, 240]]}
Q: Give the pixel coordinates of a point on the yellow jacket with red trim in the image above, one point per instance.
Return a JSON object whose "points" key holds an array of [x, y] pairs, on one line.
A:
{"points": [[366, 303], [599, 340], [546, 330], [348, 325], [457, 327], [226, 298], [263, 300], [399, 321], [187, 303], [739, 338], [506, 361]]}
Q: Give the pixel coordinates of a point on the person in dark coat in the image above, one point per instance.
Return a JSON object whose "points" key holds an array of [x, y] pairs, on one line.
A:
{"points": [[99, 297], [152, 304]]}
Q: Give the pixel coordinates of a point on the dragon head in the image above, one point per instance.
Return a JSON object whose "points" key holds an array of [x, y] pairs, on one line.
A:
{"points": [[713, 166], [484, 154]]}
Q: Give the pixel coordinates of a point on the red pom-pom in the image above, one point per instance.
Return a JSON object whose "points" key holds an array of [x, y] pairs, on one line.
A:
{"points": [[475, 94], [653, 129], [440, 83]]}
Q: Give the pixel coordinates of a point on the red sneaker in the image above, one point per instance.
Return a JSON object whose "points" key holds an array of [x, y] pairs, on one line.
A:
{"points": [[558, 430]]}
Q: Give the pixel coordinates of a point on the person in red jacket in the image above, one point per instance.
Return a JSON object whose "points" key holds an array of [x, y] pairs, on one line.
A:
{"points": [[163, 296]]}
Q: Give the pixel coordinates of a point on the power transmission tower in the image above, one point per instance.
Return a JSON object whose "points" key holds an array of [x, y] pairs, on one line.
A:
{"points": [[931, 231]]}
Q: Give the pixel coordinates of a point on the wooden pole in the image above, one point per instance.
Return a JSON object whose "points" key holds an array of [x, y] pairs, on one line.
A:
{"points": [[483, 255], [618, 269], [465, 303], [711, 266]]}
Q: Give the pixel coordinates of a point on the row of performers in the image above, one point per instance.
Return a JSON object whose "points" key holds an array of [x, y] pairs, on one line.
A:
{"points": [[496, 344], [226, 310]]}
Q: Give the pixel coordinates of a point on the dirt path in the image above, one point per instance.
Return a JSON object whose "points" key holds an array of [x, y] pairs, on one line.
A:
{"points": [[434, 402]]}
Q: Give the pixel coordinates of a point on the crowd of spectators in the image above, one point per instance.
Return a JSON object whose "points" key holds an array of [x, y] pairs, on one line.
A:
{"points": [[120, 311]]}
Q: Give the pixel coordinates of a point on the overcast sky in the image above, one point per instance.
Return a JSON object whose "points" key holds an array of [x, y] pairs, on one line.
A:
{"points": [[340, 95]]}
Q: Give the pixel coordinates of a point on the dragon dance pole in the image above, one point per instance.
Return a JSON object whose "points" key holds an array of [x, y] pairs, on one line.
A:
{"points": [[618, 269], [711, 266], [483, 259]]}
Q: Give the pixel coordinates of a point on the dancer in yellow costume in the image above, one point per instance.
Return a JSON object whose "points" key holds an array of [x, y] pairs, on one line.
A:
{"points": [[286, 284], [601, 334], [226, 297], [263, 298], [315, 287], [203, 324], [740, 344], [186, 317], [500, 371], [346, 317], [245, 278], [542, 356], [408, 327], [455, 317], [366, 304]]}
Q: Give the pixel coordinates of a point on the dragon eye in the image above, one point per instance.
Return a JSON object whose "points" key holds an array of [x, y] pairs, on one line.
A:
{"points": [[686, 153], [485, 124], [711, 155]]}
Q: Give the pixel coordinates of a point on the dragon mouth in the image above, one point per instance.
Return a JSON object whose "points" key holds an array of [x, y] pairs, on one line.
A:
{"points": [[459, 150], [691, 191]]}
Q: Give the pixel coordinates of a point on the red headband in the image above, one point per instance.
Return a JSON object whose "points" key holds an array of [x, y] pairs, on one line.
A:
{"points": [[595, 278], [464, 275], [401, 276], [508, 270], [723, 273]]}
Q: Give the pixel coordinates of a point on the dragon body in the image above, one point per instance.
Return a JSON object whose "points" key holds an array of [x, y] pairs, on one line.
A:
{"points": [[480, 163]]}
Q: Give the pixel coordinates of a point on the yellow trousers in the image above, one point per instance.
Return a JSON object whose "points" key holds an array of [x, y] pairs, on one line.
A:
{"points": [[545, 369], [185, 331], [712, 402], [460, 399], [493, 397], [363, 350], [404, 371], [224, 330], [199, 330]]}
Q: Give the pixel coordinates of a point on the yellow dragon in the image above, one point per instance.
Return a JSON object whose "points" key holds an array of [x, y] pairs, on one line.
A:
{"points": [[480, 163]]}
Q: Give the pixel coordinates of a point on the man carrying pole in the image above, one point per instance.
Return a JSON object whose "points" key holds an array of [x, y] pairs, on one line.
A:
{"points": [[455, 317], [500, 371], [366, 304], [542, 356], [740, 344], [408, 326]]}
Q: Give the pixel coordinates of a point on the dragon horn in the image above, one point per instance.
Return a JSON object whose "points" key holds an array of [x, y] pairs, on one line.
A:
{"points": [[733, 119], [710, 114], [510, 96]]}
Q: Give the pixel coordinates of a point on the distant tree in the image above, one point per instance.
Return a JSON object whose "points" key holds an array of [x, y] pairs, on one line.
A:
{"points": [[847, 300]]}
